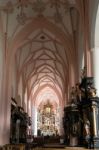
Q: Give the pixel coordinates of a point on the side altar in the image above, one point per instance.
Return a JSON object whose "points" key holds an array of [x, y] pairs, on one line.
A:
{"points": [[89, 107], [81, 116]]}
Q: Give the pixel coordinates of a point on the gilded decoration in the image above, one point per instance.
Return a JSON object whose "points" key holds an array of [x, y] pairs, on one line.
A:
{"points": [[47, 120]]}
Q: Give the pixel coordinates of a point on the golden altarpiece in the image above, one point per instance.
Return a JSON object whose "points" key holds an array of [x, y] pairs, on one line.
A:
{"points": [[47, 120]]}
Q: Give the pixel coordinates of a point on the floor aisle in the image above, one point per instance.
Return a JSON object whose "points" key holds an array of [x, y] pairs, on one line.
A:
{"points": [[66, 148]]}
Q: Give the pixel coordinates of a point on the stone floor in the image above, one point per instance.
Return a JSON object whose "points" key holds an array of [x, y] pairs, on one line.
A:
{"points": [[66, 148], [61, 147]]}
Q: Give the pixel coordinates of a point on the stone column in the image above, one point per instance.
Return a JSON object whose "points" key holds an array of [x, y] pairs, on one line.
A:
{"points": [[1, 75], [5, 92], [96, 68], [5, 110], [61, 132], [34, 121]]}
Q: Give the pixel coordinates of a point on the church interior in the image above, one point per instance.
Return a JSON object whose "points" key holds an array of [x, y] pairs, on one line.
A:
{"points": [[49, 74]]}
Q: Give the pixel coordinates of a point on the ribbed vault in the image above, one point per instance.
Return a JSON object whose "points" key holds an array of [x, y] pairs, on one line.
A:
{"points": [[42, 61], [42, 41], [43, 46]]}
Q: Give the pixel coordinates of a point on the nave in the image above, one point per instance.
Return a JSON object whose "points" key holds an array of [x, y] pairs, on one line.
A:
{"points": [[66, 148], [49, 74]]}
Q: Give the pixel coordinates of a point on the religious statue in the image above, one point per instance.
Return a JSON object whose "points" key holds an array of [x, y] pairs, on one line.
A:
{"points": [[73, 95], [88, 133], [92, 92], [83, 73], [87, 127], [78, 92]]}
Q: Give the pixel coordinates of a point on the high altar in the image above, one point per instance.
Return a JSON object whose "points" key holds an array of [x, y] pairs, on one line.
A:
{"points": [[47, 120]]}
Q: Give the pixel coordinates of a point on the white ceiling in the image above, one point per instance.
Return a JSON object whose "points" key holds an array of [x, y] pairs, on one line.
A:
{"points": [[42, 59]]}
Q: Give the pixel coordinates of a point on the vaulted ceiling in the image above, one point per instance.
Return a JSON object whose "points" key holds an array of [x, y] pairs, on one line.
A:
{"points": [[44, 34]]}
